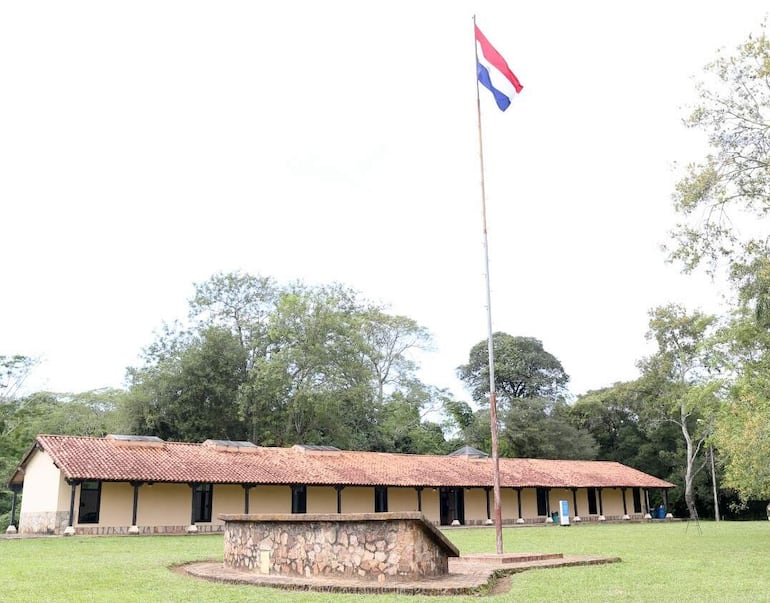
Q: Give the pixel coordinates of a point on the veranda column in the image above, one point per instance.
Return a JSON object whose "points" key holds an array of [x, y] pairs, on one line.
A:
{"points": [[625, 507], [133, 528], [601, 505], [648, 513], [246, 492], [575, 505], [339, 490], [489, 516], [519, 519], [419, 498], [11, 529], [70, 529], [192, 528]]}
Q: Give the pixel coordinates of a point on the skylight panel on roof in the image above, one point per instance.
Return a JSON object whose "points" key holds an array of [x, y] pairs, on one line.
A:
{"points": [[233, 443], [136, 440], [315, 449], [133, 438]]}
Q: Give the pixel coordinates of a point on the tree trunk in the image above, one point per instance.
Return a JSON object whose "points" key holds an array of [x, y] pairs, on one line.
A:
{"points": [[714, 485], [689, 494]]}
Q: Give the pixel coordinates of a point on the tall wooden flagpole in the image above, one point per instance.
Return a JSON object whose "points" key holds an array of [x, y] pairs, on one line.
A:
{"points": [[492, 395]]}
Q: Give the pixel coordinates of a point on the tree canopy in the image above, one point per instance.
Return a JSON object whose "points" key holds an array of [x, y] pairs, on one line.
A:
{"points": [[531, 387], [724, 201], [523, 369], [280, 365], [734, 178]]}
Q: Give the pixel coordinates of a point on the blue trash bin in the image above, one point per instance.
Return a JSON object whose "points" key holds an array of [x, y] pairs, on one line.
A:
{"points": [[661, 512]]}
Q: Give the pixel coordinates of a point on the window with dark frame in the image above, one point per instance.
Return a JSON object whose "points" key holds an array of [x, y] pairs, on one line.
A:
{"points": [[380, 499], [591, 492], [90, 498], [202, 499], [637, 500], [299, 499]]}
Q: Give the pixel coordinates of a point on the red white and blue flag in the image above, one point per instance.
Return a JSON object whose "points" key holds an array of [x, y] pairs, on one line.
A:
{"points": [[493, 72]]}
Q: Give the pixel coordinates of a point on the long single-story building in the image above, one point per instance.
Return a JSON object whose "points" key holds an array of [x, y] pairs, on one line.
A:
{"points": [[142, 484]]}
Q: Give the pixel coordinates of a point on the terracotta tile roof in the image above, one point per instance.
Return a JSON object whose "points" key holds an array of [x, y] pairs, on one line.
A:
{"points": [[113, 460]]}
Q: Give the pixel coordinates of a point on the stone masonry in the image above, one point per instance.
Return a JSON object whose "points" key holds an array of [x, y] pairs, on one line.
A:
{"points": [[370, 546]]}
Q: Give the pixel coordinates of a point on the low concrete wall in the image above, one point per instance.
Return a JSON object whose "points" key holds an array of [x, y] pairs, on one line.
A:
{"points": [[372, 546]]}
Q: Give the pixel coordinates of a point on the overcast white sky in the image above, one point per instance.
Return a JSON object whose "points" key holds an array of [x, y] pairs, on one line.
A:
{"points": [[146, 145]]}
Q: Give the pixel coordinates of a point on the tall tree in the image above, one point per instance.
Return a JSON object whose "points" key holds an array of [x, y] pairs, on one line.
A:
{"points": [[724, 203], [389, 341], [734, 178], [189, 395], [313, 374], [280, 365], [677, 377], [523, 369], [612, 416], [239, 302], [539, 428], [742, 432], [531, 385]]}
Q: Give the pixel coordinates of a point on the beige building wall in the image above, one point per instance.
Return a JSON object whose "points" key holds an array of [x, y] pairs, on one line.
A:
{"points": [[402, 499], [529, 503], [476, 505], [559, 494], [270, 499], [45, 503], [582, 503], [358, 500], [508, 502], [116, 503], [44, 487], [430, 504], [164, 505], [613, 501], [227, 498], [320, 500]]}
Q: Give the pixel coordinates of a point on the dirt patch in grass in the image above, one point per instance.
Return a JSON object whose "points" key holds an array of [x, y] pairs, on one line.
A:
{"points": [[500, 586]]}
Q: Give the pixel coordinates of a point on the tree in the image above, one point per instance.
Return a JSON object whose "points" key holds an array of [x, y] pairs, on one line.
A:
{"points": [[13, 372], [612, 416], [189, 395], [523, 369], [281, 365], [403, 422], [734, 179], [238, 302], [538, 428], [313, 375], [724, 202], [388, 342], [677, 378], [742, 430], [531, 385]]}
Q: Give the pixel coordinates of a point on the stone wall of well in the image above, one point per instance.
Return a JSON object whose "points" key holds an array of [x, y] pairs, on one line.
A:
{"points": [[376, 546]]}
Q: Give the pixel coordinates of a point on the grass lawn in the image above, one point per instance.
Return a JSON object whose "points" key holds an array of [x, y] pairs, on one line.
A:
{"points": [[661, 562]]}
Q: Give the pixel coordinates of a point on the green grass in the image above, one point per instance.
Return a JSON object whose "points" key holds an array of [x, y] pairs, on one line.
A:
{"points": [[661, 562]]}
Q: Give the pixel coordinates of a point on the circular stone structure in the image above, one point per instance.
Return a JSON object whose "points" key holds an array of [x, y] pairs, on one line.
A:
{"points": [[368, 546]]}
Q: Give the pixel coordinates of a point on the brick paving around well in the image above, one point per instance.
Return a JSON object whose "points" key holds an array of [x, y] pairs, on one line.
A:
{"points": [[468, 574]]}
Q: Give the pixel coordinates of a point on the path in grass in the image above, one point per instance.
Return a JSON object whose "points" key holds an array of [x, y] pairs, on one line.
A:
{"points": [[724, 562]]}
